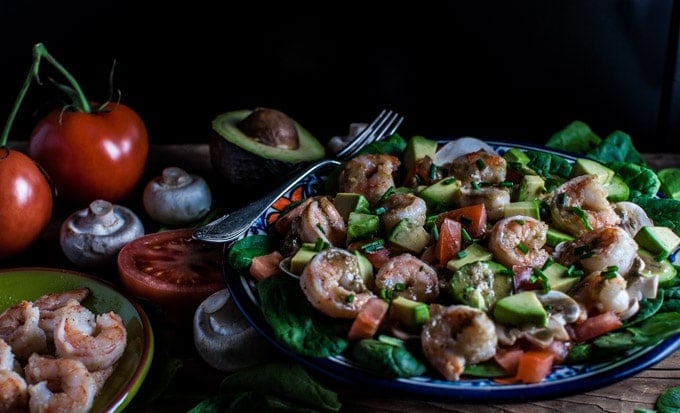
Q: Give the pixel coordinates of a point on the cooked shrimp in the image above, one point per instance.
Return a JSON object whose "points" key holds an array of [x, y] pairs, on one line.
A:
{"points": [[370, 175], [333, 283], [494, 199], [19, 328], [13, 391], [455, 336], [401, 206], [410, 277], [97, 346], [580, 205], [49, 319], [519, 240], [601, 294], [59, 385], [600, 249], [54, 301], [320, 219], [479, 166]]}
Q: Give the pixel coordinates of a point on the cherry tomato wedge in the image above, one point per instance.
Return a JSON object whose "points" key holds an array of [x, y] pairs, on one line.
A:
{"points": [[173, 270]]}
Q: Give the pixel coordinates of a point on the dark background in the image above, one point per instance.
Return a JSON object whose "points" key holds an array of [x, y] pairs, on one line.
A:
{"points": [[511, 70]]}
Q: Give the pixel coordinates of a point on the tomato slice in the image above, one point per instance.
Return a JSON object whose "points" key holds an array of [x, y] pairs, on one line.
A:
{"points": [[172, 269]]}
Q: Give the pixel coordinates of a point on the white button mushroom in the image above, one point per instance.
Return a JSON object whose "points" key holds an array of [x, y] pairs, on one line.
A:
{"points": [[92, 237], [176, 197], [224, 338]]}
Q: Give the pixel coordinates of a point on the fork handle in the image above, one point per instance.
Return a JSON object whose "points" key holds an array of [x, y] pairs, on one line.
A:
{"points": [[231, 226]]}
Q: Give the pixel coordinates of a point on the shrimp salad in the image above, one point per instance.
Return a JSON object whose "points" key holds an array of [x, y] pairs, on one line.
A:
{"points": [[55, 354], [478, 265]]}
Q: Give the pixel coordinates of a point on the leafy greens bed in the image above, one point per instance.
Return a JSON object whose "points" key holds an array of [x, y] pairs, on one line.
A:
{"points": [[301, 328]]}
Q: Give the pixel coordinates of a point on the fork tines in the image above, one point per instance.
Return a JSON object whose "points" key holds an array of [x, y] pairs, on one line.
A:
{"points": [[382, 126]]}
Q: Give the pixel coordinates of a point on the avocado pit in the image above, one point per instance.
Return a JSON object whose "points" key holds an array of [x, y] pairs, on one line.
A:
{"points": [[270, 127]]}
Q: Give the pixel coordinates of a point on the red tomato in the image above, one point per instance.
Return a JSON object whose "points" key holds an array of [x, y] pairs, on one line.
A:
{"points": [[25, 202], [172, 269], [595, 326], [89, 156]]}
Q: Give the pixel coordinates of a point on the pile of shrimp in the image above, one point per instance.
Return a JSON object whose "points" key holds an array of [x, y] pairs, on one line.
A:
{"points": [[458, 334], [55, 354]]}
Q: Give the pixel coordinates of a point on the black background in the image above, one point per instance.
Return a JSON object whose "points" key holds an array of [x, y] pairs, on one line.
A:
{"points": [[510, 70]]}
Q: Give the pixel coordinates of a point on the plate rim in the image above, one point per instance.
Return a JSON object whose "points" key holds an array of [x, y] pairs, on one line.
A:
{"points": [[613, 372], [124, 396]]}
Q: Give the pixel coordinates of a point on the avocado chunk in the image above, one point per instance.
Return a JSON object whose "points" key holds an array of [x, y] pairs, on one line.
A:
{"points": [[248, 161], [523, 208], [555, 236], [441, 194], [417, 148], [409, 312], [670, 182], [366, 269], [558, 278], [515, 155], [409, 236], [530, 187], [617, 189], [300, 259], [361, 226], [474, 252], [584, 166], [520, 309], [661, 241], [346, 202], [480, 284]]}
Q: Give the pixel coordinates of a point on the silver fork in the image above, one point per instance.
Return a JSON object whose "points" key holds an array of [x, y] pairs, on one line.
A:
{"points": [[231, 226]]}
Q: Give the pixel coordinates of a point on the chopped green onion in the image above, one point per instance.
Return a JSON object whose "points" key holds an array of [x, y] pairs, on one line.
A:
{"points": [[418, 179], [433, 171], [485, 184], [506, 184], [386, 195], [519, 221], [474, 185], [538, 275], [448, 181], [350, 298], [561, 199], [373, 246], [465, 220], [320, 244], [522, 248], [584, 217], [435, 233], [480, 164], [464, 235], [461, 254], [321, 228], [379, 210], [399, 287], [508, 272], [547, 264]]}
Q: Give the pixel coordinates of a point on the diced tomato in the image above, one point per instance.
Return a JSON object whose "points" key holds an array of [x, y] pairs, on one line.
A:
{"points": [[509, 359], [449, 241], [533, 367], [377, 257], [472, 218], [368, 319], [596, 326], [265, 266], [522, 280]]}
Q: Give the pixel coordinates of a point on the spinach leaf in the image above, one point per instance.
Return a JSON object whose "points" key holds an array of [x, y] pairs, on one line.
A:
{"points": [[669, 401], [617, 147], [387, 359], [641, 180], [297, 324], [577, 137], [648, 307], [647, 333], [392, 145], [242, 251], [548, 165], [487, 369], [663, 211]]}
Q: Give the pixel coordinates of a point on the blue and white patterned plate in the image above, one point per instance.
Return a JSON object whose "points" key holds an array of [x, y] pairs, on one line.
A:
{"points": [[564, 380]]}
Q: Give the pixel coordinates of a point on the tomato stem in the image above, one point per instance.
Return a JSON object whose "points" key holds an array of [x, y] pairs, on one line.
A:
{"points": [[40, 52]]}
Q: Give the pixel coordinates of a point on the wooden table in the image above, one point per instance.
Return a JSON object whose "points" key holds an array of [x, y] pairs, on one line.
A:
{"points": [[639, 391]]}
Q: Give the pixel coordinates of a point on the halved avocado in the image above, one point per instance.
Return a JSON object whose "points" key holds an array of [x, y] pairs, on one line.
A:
{"points": [[246, 161]]}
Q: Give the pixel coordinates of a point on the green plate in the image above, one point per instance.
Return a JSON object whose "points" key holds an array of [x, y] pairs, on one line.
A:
{"points": [[30, 283]]}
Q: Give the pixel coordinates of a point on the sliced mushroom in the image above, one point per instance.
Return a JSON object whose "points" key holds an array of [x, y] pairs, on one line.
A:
{"points": [[633, 217]]}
